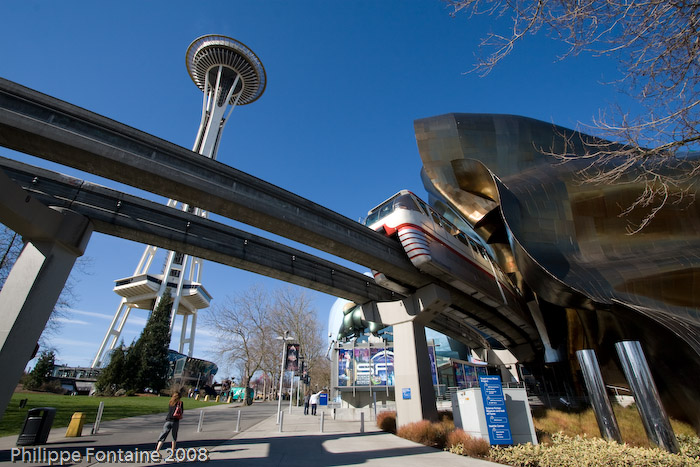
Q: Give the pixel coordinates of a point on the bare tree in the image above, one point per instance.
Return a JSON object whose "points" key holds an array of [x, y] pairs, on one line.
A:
{"points": [[657, 46], [242, 326], [295, 312], [247, 328]]}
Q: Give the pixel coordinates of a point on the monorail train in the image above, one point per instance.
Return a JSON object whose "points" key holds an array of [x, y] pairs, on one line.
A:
{"points": [[438, 248]]}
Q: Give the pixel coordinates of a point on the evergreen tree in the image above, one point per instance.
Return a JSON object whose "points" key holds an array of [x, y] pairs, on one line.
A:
{"points": [[152, 348], [42, 370], [145, 363], [114, 374]]}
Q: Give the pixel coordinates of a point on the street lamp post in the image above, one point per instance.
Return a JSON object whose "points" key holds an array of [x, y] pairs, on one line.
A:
{"points": [[301, 372], [284, 339]]}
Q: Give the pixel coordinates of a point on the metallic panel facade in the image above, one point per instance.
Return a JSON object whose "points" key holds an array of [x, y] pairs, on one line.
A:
{"points": [[565, 241]]}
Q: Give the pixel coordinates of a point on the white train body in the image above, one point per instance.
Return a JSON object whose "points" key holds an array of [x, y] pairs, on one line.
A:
{"points": [[436, 247]]}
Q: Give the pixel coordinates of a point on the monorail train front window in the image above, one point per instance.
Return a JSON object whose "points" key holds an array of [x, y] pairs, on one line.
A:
{"points": [[400, 201], [405, 202], [378, 213]]}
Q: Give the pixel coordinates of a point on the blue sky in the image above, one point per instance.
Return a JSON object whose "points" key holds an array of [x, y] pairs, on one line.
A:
{"points": [[346, 80]]}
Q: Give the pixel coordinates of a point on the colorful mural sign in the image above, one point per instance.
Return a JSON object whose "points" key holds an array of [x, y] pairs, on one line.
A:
{"points": [[467, 375], [364, 366], [382, 367]]}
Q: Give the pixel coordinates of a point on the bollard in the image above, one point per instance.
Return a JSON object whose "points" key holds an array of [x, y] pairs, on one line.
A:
{"points": [[322, 417], [362, 422], [375, 405], [75, 427], [218, 398], [238, 422], [201, 420], [98, 418], [228, 401], [206, 398], [196, 397], [281, 417]]}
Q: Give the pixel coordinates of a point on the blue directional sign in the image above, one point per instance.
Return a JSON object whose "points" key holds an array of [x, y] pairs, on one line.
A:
{"points": [[406, 393], [495, 409]]}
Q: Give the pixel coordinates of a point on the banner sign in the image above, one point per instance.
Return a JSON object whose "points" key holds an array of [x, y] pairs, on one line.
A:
{"points": [[433, 365], [363, 369], [345, 367], [292, 363], [459, 375], [495, 408], [382, 367]]}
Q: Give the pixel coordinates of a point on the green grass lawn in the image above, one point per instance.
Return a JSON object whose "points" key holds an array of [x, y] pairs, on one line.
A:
{"points": [[115, 407]]}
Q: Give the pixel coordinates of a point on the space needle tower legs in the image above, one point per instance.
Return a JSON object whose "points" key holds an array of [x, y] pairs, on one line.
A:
{"points": [[229, 74]]}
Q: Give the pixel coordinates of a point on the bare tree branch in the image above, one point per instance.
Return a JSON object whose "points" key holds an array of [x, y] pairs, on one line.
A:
{"points": [[657, 46]]}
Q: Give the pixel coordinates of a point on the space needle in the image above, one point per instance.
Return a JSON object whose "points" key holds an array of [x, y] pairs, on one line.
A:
{"points": [[229, 74]]}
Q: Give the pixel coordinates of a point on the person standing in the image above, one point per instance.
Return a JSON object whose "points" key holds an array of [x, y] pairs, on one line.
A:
{"points": [[172, 421], [307, 398], [314, 401]]}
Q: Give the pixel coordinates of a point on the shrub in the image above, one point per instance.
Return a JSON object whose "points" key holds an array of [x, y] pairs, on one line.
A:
{"points": [[424, 432], [386, 421], [582, 451], [459, 442], [416, 431], [53, 386], [690, 445]]}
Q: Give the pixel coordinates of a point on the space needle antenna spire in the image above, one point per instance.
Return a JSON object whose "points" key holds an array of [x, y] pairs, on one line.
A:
{"points": [[229, 74]]}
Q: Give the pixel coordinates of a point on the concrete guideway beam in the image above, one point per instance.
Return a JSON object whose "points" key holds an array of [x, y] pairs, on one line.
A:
{"points": [[415, 395], [41, 125], [37, 124], [53, 241], [133, 218]]}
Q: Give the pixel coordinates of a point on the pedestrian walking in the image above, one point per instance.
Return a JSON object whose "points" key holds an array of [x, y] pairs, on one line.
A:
{"points": [[307, 398], [172, 421]]}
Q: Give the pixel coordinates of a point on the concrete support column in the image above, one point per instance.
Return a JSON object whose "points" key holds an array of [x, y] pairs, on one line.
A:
{"points": [[638, 374], [413, 381], [607, 423], [31, 291], [412, 376]]}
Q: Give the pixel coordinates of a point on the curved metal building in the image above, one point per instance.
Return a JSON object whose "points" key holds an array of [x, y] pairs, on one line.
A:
{"points": [[565, 242]]}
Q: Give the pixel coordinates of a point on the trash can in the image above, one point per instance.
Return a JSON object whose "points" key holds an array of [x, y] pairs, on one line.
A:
{"points": [[36, 426]]}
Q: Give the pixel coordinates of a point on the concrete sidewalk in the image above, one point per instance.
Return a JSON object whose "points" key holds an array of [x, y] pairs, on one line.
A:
{"points": [[301, 443], [341, 443]]}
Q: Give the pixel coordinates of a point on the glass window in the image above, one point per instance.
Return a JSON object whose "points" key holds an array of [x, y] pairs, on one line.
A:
{"points": [[406, 202]]}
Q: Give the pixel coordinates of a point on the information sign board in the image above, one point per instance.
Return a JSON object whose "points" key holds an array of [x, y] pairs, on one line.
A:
{"points": [[495, 409]]}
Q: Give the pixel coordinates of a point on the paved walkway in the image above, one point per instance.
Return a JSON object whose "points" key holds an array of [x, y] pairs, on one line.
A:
{"points": [[300, 444]]}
